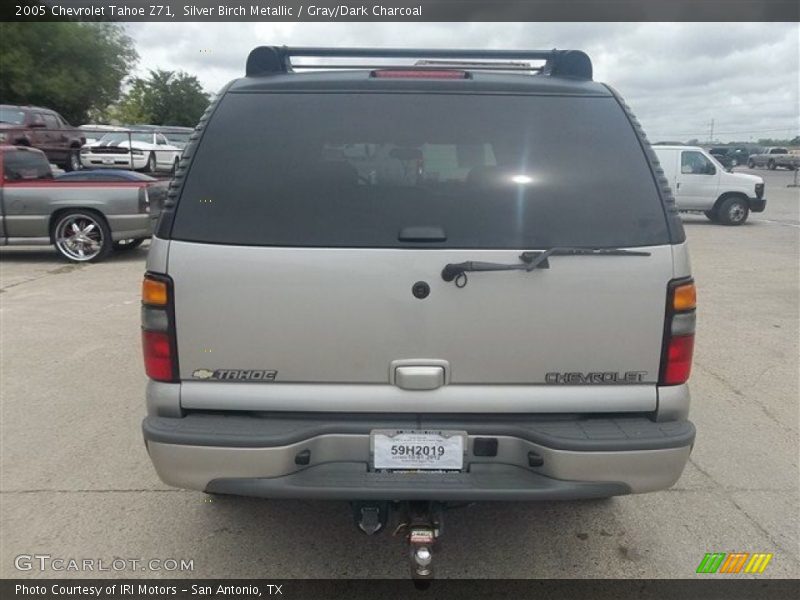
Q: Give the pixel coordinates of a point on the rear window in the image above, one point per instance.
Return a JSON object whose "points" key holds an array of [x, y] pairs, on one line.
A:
{"points": [[178, 139], [353, 170], [12, 115], [21, 165]]}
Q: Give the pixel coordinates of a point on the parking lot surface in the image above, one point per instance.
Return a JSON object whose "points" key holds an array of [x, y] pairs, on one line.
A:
{"points": [[76, 481]]}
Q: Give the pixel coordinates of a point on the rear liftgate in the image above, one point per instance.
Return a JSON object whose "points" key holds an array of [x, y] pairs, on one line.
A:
{"points": [[420, 523]]}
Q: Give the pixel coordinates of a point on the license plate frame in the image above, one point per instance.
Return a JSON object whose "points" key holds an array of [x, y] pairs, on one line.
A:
{"points": [[445, 450]]}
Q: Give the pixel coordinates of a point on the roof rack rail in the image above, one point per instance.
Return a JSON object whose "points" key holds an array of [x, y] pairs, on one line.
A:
{"points": [[270, 60], [480, 65]]}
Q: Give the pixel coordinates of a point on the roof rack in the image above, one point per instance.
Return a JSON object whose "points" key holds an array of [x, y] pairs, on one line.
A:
{"points": [[270, 60], [480, 65]]}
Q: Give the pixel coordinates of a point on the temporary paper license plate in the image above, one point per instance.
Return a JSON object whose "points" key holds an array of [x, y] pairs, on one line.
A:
{"points": [[415, 450]]}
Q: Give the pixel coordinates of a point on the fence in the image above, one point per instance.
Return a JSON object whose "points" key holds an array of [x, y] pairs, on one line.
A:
{"points": [[154, 150]]}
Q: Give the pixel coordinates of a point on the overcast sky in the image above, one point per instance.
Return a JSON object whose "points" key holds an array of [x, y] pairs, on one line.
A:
{"points": [[677, 77]]}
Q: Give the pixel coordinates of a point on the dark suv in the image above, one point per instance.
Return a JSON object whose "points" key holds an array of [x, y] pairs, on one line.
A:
{"points": [[44, 129]]}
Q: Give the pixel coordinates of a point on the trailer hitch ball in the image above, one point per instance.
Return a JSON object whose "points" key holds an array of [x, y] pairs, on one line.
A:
{"points": [[423, 558]]}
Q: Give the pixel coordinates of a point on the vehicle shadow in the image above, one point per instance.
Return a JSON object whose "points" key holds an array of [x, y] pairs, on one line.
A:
{"points": [[47, 255], [324, 533], [701, 221]]}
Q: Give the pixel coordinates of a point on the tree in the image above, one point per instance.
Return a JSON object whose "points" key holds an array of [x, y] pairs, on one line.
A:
{"points": [[73, 68], [163, 98]]}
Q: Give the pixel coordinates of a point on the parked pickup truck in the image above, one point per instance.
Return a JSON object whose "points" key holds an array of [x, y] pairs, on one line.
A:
{"points": [[772, 158], [44, 129], [84, 220]]}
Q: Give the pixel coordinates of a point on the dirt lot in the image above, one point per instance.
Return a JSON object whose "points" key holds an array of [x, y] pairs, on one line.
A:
{"points": [[76, 481]]}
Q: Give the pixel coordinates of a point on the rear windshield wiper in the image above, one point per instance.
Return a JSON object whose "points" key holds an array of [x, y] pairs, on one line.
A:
{"points": [[529, 261]]}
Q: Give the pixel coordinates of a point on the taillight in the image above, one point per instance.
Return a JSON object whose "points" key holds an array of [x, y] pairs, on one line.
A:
{"points": [[157, 355], [158, 328], [419, 74], [144, 200], [679, 327]]}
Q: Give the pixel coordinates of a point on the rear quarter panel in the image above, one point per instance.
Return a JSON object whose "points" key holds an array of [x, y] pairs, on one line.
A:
{"points": [[29, 206]]}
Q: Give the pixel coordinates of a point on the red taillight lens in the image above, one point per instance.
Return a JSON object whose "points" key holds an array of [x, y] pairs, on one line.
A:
{"points": [[419, 74], [158, 328], [678, 363], [676, 360], [157, 355]]}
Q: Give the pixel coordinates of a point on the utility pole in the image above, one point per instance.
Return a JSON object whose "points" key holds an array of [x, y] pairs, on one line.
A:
{"points": [[711, 133]]}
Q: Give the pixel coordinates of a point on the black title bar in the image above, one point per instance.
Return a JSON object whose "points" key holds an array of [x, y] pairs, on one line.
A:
{"points": [[730, 588], [399, 10]]}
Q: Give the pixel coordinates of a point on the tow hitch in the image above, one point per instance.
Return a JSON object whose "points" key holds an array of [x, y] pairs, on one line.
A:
{"points": [[371, 517], [419, 522]]}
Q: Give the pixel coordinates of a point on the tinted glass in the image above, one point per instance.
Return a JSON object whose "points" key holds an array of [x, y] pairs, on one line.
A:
{"points": [[695, 163], [23, 165], [50, 121], [116, 138], [178, 139], [12, 115], [354, 169]]}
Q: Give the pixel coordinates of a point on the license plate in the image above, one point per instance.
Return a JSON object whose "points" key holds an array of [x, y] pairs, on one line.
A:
{"points": [[418, 450], [108, 161]]}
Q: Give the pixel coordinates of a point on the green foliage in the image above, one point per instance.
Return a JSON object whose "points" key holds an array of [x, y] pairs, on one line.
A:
{"points": [[779, 142], [76, 69], [163, 98]]}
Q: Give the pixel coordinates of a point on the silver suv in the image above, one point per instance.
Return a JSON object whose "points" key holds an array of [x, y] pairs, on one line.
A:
{"points": [[448, 281]]}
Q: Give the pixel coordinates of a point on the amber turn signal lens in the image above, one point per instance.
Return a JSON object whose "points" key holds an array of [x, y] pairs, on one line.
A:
{"points": [[684, 297], [154, 292]]}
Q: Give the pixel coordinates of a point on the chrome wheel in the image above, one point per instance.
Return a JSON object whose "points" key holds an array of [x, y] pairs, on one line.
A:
{"points": [[79, 237], [736, 213]]}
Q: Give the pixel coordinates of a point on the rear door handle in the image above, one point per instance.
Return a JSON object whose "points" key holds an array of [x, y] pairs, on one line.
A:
{"points": [[422, 234]]}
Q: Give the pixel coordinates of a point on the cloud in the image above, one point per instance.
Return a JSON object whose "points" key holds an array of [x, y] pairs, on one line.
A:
{"points": [[677, 77]]}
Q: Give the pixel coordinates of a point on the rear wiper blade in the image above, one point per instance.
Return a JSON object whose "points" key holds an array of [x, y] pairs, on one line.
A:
{"points": [[568, 251], [529, 261]]}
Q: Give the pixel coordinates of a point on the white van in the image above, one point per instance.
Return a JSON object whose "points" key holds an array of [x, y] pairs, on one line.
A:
{"points": [[700, 183]]}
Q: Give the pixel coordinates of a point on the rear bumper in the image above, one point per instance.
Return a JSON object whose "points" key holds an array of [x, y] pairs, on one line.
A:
{"points": [[264, 456]]}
